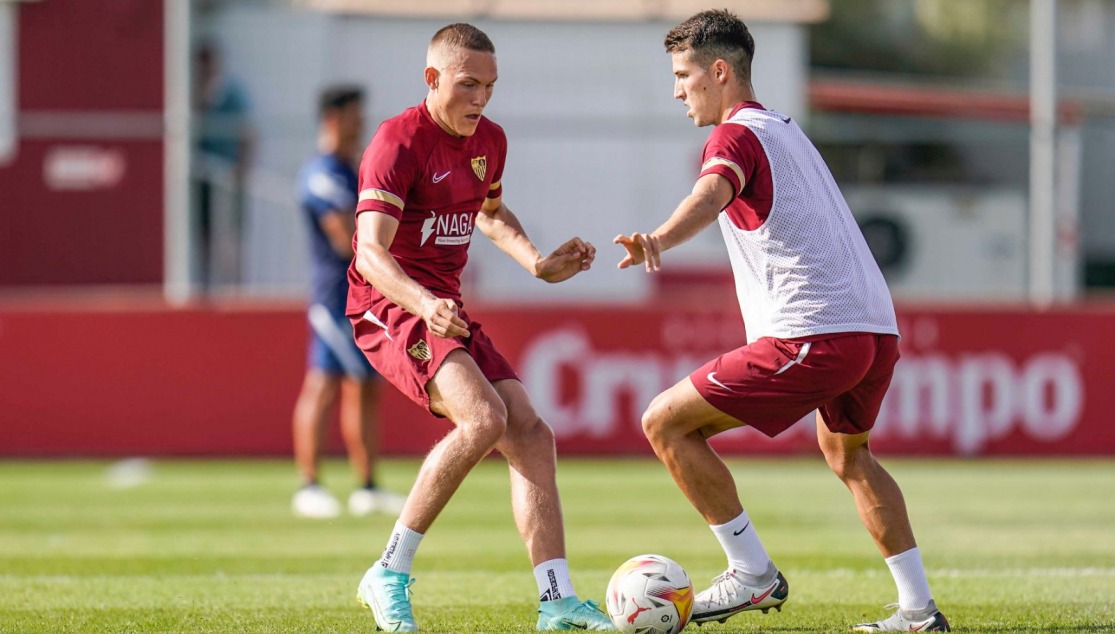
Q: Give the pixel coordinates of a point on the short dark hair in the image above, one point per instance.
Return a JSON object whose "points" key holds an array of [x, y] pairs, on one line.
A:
{"points": [[337, 97], [712, 35], [466, 36]]}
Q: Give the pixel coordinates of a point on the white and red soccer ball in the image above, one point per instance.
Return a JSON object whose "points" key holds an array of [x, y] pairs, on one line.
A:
{"points": [[650, 594]]}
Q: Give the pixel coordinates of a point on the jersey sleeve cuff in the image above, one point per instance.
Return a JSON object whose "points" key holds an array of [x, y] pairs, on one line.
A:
{"points": [[725, 168], [380, 200], [495, 190], [381, 207]]}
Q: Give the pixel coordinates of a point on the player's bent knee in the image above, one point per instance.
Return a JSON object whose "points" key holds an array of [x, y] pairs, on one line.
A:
{"points": [[657, 420], [541, 433], [486, 428], [489, 432]]}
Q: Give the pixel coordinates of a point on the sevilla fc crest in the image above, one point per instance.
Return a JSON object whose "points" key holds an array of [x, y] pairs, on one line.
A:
{"points": [[420, 351], [480, 166]]}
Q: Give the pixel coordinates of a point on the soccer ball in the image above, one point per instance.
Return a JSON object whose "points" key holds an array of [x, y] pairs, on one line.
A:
{"points": [[650, 594]]}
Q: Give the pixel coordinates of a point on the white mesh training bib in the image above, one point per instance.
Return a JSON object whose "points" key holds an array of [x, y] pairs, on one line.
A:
{"points": [[807, 270]]}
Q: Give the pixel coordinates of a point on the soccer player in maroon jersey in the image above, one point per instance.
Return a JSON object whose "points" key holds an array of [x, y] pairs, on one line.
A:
{"points": [[821, 329], [429, 177]]}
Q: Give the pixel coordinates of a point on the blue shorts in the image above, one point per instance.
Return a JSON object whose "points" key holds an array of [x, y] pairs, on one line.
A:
{"points": [[332, 347]]}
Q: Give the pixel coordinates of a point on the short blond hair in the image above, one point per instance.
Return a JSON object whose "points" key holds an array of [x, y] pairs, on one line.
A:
{"points": [[453, 38]]}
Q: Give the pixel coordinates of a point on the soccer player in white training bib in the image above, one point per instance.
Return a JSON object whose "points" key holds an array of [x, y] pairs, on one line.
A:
{"points": [[821, 330]]}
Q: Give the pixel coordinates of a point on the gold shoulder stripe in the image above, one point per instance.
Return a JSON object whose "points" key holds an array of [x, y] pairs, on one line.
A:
{"points": [[385, 196], [494, 186], [723, 161]]}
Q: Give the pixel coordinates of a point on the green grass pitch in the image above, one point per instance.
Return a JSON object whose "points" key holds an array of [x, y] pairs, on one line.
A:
{"points": [[211, 546]]}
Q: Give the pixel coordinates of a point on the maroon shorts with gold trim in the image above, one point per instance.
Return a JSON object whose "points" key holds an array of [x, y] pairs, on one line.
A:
{"points": [[771, 384], [404, 352]]}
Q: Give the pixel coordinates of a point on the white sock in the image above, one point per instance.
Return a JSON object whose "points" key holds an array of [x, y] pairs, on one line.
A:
{"points": [[742, 546], [553, 580], [909, 576], [401, 546]]}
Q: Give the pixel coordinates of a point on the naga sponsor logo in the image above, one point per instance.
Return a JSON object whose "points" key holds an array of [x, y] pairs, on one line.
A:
{"points": [[968, 399], [448, 229]]}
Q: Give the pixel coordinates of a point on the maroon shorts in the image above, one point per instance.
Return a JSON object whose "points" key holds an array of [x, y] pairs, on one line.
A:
{"points": [[771, 384], [402, 351]]}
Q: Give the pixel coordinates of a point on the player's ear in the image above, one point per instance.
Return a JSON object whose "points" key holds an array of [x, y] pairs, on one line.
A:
{"points": [[432, 77], [720, 70]]}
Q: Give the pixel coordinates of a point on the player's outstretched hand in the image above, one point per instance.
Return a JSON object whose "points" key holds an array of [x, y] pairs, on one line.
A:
{"points": [[441, 318], [642, 248], [569, 259]]}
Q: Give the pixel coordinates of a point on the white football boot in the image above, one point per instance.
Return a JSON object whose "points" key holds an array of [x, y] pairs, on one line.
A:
{"points": [[314, 501], [729, 595], [928, 620], [366, 501]]}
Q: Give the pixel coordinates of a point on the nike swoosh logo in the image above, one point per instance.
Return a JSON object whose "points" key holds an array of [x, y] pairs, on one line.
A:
{"points": [[390, 626], [798, 359], [740, 531], [785, 119], [440, 177], [756, 599], [712, 379]]}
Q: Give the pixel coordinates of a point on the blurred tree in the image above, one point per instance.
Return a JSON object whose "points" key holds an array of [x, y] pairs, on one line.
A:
{"points": [[969, 38]]}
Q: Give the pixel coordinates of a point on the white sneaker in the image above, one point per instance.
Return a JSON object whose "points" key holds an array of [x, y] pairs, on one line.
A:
{"points": [[365, 501], [315, 502], [928, 620], [729, 595]]}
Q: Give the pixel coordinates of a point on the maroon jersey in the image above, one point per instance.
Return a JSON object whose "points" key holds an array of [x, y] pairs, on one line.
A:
{"points": [[434, 183]]}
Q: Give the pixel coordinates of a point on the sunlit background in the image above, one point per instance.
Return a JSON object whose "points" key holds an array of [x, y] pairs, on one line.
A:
{"points": [[973, 140], [154, 282]]}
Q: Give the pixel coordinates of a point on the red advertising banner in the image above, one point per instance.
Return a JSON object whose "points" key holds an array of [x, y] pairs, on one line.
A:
{"points": [[211, 381], [85, 211], [994, 382]]}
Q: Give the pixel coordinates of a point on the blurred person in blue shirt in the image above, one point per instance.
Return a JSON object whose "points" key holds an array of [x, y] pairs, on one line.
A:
{"points": [[337, 369]]}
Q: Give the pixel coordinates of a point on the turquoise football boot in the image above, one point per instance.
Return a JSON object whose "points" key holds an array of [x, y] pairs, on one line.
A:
{"points": [[387, 593], [570, 613]]}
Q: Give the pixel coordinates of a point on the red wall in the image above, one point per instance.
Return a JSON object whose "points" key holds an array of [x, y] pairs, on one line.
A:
{"points": [[153, 381], [82, 200], [81, 55]]}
